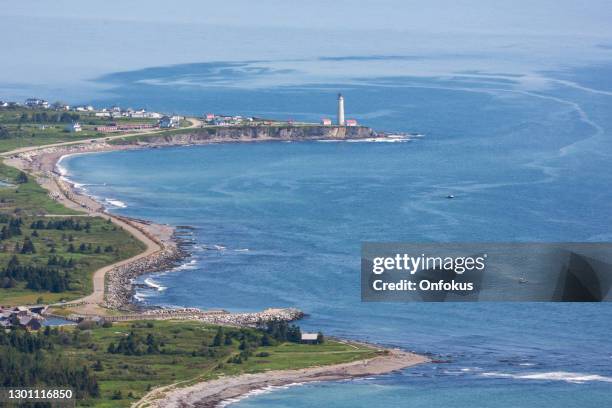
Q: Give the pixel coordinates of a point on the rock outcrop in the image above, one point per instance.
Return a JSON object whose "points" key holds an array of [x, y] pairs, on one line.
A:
{"points": [[256, 133]]}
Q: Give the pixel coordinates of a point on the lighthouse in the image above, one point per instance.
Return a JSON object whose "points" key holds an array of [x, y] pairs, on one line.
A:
{"points": [[340, 110]]}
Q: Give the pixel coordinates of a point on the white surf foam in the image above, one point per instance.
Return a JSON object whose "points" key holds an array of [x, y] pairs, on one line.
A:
{"points": [[380, 140], [61, 169], [187, 265], [152, 284], [115, 203], [258, 391], [139, 297], [576, 378]]}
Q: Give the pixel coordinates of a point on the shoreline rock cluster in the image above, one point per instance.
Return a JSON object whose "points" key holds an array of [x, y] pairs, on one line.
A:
{"points": [[225, 318], [119, 281]]}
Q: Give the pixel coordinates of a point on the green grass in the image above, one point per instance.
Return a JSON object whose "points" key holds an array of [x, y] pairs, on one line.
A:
{"points": [[26, 134], [31, 135], [27, 198], [101, 234], [30, 202], [186, 359]]}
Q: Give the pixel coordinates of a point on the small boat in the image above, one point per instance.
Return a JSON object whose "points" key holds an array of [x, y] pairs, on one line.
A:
{"points": [[450, 196], [523, 280]]}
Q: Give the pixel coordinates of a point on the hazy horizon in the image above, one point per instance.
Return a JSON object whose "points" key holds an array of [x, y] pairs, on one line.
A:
{"points": [[60, 49]]}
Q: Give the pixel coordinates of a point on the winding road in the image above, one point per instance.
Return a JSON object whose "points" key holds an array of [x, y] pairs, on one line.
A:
{"points": [[92, 303]]}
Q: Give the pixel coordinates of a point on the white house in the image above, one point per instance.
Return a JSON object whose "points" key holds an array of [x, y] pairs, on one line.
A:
{"points": [[169, 122], [326, 122], [32, 102], [309, 337], [351, 122], [73, 127]]}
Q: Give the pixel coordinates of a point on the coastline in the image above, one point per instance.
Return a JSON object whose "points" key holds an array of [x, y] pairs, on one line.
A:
{"points": [[214, 393], [113, 285]]}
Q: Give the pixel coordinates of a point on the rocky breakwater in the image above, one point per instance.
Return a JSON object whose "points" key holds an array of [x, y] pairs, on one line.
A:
{"points": [[254, 319], [119, 288], [218, 134], [222, 317]]}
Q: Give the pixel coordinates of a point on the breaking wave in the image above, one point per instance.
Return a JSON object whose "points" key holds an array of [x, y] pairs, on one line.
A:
{"points": [[258, 391], [152, 284], [576, 378], [115, 203]]}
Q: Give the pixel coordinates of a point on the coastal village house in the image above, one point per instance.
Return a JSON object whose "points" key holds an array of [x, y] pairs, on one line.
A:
{"points": [[169, 122], [35, 102], [351, 122], [326, 122], [20, 316], [73, 127]]}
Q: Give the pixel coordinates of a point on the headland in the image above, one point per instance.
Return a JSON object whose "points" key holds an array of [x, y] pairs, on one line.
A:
{"points": [[210, 394], [113, 290]]}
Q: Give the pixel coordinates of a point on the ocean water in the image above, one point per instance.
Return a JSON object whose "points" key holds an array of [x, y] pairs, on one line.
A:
{"points": [[280, 224]]}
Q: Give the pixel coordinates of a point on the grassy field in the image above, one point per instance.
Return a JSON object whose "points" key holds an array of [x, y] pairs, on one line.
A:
{"points": [[49, 252], [187, 356], [100, 244], [30, 203], [27, 198], [23, 127]]}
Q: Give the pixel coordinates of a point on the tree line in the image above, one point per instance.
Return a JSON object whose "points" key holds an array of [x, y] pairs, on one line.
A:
{"points": [[46, 117], [30, 359], [136, 345], [36, 277], [61, 225]]}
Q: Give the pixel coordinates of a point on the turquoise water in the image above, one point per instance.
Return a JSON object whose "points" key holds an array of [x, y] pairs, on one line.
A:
{"points": [[280, 224]]}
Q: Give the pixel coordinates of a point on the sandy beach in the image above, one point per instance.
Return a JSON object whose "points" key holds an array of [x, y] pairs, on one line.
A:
{"points": [[210, 394]]}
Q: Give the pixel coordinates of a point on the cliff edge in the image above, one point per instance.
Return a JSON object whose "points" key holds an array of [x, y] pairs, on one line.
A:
{"points": [[255, 133]]}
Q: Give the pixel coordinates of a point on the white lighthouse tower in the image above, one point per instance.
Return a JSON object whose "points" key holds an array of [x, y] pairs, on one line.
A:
{"points": [[340, 110]]}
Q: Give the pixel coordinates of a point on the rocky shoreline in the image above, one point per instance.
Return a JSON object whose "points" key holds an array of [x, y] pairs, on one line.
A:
{"points": [[171, 246], [165, 250], [119, 290], [119, 281]]}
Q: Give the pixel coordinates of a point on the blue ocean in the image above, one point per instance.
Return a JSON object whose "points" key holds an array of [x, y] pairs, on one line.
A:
{"points": [[280, 224]]}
